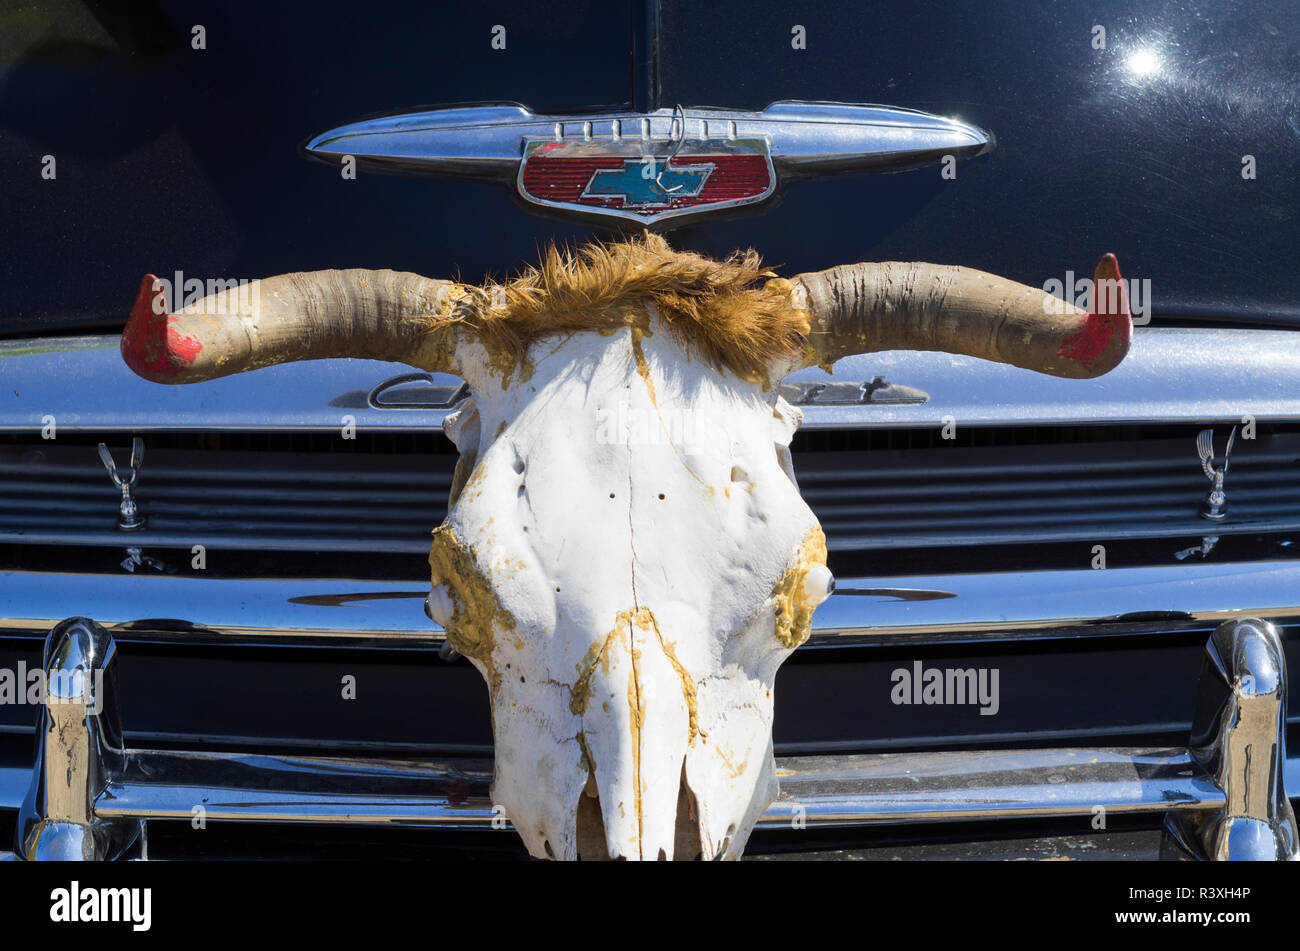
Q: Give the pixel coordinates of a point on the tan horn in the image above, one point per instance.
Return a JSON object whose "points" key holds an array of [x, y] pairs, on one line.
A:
{"points": [[862, 308], [381, 315]]}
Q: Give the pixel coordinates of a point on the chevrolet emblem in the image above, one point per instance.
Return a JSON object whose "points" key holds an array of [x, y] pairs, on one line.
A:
{"points": [[648, 168]]}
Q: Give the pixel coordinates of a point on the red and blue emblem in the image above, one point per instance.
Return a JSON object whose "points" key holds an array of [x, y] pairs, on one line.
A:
{"points": [[643, 180], [648, 168]]}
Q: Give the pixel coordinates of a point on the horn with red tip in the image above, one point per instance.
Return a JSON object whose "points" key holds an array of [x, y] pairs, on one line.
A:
{"points": [[862, 308], [381, 315]]}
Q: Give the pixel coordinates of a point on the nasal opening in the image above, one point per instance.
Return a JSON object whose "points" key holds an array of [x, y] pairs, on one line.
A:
{"points": [[592, 845]]}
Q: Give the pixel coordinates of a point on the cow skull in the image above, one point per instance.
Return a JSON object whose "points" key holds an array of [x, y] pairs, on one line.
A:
{"points": [[626, 558]]}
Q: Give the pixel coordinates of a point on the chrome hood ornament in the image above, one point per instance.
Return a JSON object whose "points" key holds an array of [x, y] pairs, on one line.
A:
{"points": [[1215, 504], [648, 168], [129, 518]]}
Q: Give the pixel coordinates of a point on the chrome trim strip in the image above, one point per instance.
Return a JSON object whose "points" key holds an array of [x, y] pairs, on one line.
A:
{"points": [[223, 610], [1129, 780], [862, 611], [1162, 380], [312, 395], [1058, 603], [883, 788], [479, 142], [986, 785], [250, 787]]}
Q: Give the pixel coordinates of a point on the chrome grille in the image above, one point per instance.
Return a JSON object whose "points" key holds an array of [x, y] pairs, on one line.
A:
{"points": [[1030, 493], [872, 490]]}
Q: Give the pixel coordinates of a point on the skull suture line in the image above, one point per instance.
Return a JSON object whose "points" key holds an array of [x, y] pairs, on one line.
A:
{"points": [[626, 583]]}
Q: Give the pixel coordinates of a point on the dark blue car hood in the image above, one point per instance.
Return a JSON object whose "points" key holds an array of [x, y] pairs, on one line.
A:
{"points": [[174, 158]]}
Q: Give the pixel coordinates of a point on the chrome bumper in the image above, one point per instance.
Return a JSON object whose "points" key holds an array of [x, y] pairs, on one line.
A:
{"points": [[862, 611], [1223, 797]]}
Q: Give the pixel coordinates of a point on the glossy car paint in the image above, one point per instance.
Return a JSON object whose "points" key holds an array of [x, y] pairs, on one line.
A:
{"points": [[174, 158]]}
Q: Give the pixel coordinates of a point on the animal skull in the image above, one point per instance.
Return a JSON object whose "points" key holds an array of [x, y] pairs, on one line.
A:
{"points": [[626, 558]]}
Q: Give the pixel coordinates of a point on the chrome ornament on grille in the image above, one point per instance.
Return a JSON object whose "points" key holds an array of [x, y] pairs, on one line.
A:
{"points": [[648, 167], [129, 518], [1215, 504]]}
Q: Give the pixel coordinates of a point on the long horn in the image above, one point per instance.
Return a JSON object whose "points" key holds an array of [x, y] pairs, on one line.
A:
{"points": [[382, 315], [862, 308]]}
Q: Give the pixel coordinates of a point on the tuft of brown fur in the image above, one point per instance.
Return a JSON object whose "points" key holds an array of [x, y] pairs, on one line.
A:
{"points": [[728, 311]]}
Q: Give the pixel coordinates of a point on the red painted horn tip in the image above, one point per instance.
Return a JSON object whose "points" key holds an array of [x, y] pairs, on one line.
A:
{"points": [[1109, 292], [150, 345], [1107, 268], [144, 301], [1102, 339]]}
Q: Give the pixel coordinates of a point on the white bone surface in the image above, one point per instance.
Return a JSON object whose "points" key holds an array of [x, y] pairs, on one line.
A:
{"points": [[634, 524]]}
